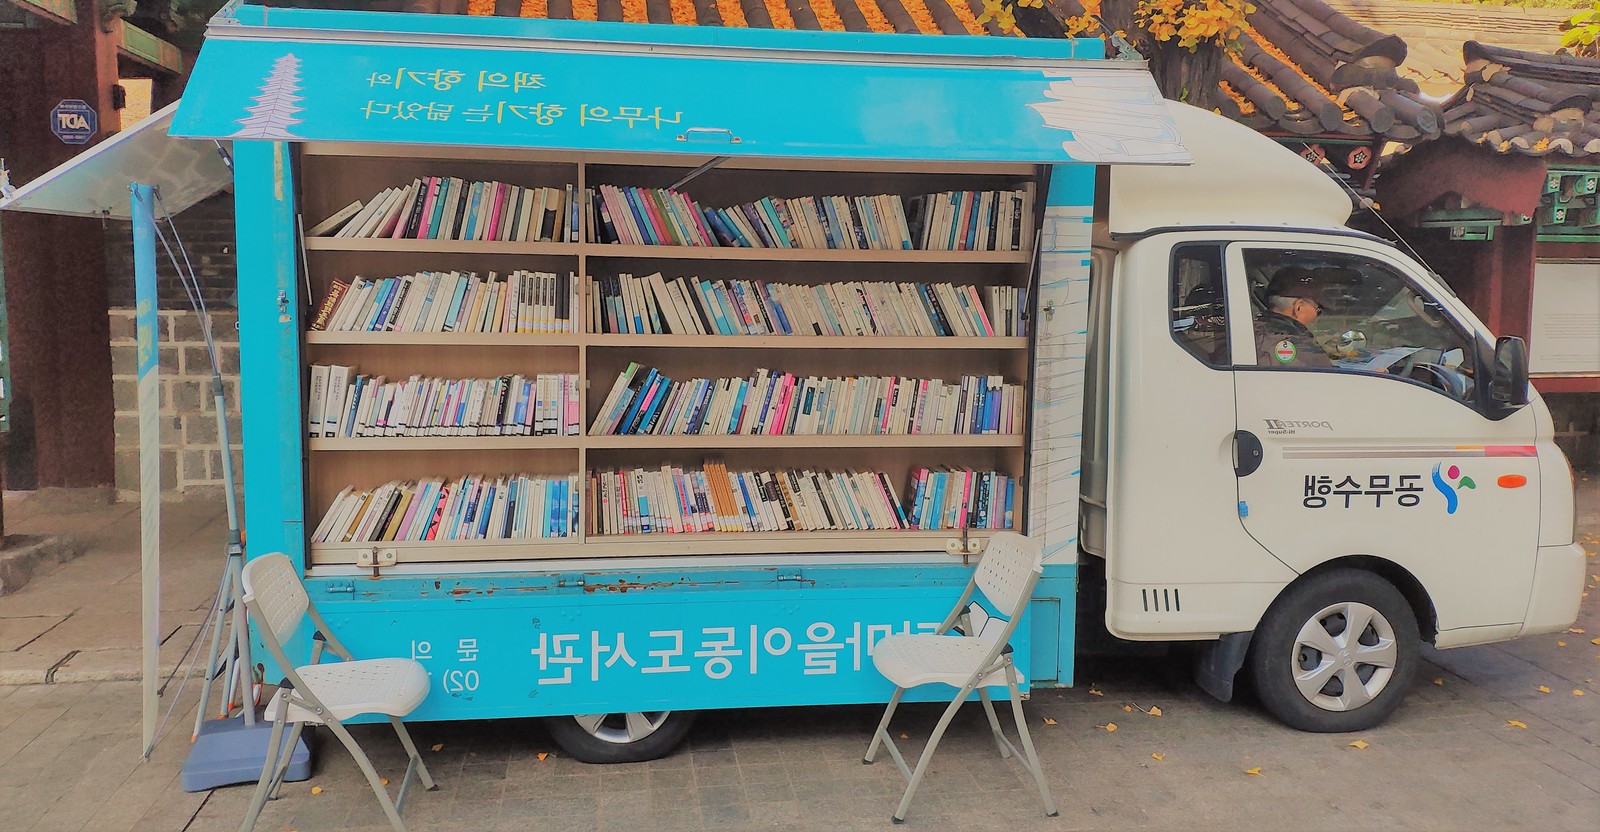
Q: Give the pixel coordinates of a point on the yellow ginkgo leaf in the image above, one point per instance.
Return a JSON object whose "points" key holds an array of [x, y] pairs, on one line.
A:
{"points": [[904, 735], [1128, 708], [1093, 692], [438, 746], [1439, 682], [1110, 727], [1594, 641], [383, 780], [1154, 710], [543, 755], [1158, 757], [1359, 744], [316, 790], [1561, 644], [1256, 770], [1544, 688], [1049, 721], [1577, 692], [1578, 630], [1517, 723]]}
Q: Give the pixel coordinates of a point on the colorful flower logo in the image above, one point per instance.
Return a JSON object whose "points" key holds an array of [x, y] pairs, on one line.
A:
{"points": [[1450, 485]]}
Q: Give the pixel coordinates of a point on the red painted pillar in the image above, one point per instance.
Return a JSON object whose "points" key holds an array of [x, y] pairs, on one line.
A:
{"points": [[62, 432]]}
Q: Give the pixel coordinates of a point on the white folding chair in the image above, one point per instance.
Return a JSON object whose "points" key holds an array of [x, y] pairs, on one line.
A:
{"points": [[325, 694], [976, 657]]}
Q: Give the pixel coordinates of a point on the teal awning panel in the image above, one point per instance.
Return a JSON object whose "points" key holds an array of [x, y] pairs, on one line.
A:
{"points": [[306, 85]]}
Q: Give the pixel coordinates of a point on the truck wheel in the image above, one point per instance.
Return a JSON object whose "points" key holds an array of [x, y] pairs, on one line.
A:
{"points": [[622, 737], [1335, 653]]}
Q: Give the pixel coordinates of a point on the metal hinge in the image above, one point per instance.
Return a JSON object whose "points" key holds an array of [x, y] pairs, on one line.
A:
{"points": [[570, 580], [790, 575], [348, 587], [376, 558]]}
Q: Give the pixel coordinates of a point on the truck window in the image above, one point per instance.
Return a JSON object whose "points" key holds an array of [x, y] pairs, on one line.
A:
{"points": [[1199, 314], [1354, 314]]}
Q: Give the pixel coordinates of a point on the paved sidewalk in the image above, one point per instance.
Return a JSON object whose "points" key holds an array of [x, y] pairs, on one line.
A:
{"points": [[1451, 758]]}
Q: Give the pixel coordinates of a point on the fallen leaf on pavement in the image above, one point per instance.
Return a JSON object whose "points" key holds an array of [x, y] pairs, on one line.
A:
{"points": [[543, 755], [1256, 770], [904, 735], [1128, 708], [1158, 757], [1109, 726], [1439, 682], [1578, 630], [316, 790], [1049, 721], [1576, 692], [1561, 644], [1594, 641], [1093, 692], [438, 746], [1544, 688], [383, 780], [1359, 744], [1154, 710], [1517, 723]]}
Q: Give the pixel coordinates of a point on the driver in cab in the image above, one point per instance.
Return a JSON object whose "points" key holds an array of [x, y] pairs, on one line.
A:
{"points": [[1294, 299]]}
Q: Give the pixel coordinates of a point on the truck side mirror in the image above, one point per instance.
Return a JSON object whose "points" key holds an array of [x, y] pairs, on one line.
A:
{"points": [[1508, 378]]}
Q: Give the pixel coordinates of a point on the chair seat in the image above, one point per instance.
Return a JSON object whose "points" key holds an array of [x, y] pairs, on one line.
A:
{"points": [[393, 687], [921, 659]]}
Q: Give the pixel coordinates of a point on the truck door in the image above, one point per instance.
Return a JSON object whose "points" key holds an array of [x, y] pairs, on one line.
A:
{"points": [[1360, 430]]}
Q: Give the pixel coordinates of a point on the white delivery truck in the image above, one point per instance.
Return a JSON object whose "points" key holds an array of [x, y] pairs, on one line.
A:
{"points": [[1238, 423]]}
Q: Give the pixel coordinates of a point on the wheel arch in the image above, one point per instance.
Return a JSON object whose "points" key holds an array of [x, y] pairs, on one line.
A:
{"points": [[1415, 593]]}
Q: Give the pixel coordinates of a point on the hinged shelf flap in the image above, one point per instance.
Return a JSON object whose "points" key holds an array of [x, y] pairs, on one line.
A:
{"points": [[567, 85]]}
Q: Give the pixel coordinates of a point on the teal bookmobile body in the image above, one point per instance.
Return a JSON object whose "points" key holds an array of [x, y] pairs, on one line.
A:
{"points": [[669, 632]]}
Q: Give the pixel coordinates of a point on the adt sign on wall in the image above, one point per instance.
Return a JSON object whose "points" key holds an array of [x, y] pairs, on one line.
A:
{"points": [[74, 121]]}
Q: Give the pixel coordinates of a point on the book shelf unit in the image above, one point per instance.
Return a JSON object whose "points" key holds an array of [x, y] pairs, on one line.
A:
{"points": [[333, 175]]}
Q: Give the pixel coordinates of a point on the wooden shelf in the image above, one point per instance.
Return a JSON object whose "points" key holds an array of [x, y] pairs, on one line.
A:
{"points": [[646, 545], [827, 440], [453, 339], [444, 443], [387, 245], [815, 255], [802, 342]]}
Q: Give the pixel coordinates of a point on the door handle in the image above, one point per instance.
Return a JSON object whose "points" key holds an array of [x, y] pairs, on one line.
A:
{"points": [[1246, 453]]}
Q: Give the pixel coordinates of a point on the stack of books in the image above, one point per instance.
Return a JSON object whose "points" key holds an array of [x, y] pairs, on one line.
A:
{"points": [[655, 305], [957, 498], [449, 208], [471, 508], [537, 405], [948, 221], [522, 302], [644, 401], [714, 499]]}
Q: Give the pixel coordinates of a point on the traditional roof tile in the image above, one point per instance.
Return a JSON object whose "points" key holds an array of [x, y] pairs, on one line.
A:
{"points": [[1527, 102]]}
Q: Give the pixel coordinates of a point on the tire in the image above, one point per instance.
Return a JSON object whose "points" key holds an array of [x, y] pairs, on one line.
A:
{"points": [[1302, 641], [620, 737]]}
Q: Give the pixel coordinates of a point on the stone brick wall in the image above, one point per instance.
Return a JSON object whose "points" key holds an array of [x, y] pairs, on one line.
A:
{"points": [[1577, 420], [206, 230], [191, 461]]}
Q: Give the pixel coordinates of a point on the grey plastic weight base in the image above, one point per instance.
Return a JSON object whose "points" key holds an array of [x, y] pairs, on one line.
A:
{"points": [[228, 751]]}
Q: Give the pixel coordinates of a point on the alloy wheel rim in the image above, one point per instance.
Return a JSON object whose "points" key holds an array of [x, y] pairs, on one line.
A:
{"points": [[622, 728], [1344, 656]]}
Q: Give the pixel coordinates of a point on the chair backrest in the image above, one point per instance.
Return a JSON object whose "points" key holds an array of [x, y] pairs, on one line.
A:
{"points": [[272, 587], [1008, 570]]}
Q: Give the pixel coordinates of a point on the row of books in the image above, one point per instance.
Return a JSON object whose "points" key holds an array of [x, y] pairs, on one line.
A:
{"points": [[652, 304], [449, 208], [643, 401], [522, 302], [546, 404], [471, 508], [946, 221], [715, 499], [959, 498]]}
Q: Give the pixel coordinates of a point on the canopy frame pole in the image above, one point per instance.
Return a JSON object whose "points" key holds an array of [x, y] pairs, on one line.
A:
{"points": [[147, 322]]}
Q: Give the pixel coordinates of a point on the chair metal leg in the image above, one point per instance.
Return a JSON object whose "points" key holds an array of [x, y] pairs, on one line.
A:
{"points": [[883, 726], [927, 753], [1027, 741], [994, 724], [372, 775], [285, 757], [269, 767], [411, 751]]}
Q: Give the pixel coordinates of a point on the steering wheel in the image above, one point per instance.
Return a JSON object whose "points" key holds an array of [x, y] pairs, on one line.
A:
{"points": [[1449, 380]]}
